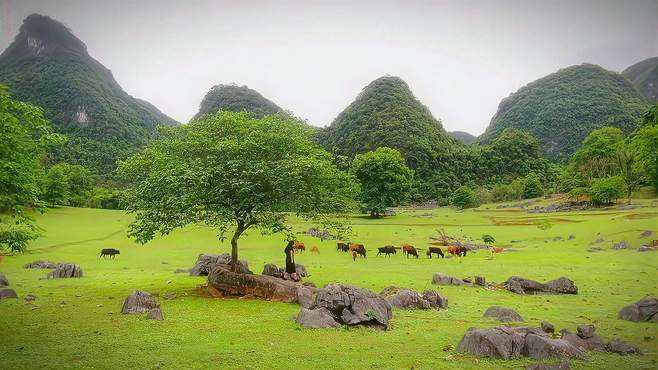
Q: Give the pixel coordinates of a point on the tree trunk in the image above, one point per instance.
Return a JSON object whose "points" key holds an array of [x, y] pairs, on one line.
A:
{"points": [[234, 245]]}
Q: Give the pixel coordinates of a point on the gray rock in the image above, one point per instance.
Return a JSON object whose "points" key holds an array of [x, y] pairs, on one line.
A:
{"points": [[30, 297], [301, 270], [645, 248], [547, 327], [155, 314], [182, 271], [561, 286], [305, 297], [540, 347], [542, 366], [65, 270], [271, 269], [623, 348], [404, 298], [41, 264], [205, 262], [645, 309], [354, 306], [139, 301], [3, 281], [317, 318], [621, 245], [572, 237], [593, 343], [585, 331], [225, 282], [646, 234], [500, 342], [480, 280], [435, 299], [503, 314], [170, 295], [7, 293], [443, 279], [521, 285]]}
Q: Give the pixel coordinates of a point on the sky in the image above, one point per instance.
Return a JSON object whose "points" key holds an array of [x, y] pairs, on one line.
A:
{"points": [[459, 57]]}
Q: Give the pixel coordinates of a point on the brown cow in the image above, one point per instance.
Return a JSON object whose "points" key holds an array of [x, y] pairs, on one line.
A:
{"points": [[299, 247], [315, 249], [410, 251], [493, 249], [359, 249], [406, 248], [355, 246], [457, 250]]}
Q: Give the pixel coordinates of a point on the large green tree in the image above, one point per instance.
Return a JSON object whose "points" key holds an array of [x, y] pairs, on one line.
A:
{"points": [[597, 157], [68, 184], [25, 135], [233, 171], [385, 179]]}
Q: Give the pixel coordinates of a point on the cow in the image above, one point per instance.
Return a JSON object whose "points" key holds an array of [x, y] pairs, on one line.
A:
{"points": [[493, 249], [457, 250], [387, 250], [358, 249], [405, 248], [411, 251], [299, 247], [434, 250], [315, 249], [355, 246], [343, 247], [109, 252]]}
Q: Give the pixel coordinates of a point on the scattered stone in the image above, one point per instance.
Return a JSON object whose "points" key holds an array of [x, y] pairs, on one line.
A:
{"points": [[585, 331], [623, 348], [646, 234], [443, 279], [65, 270], [480, 280], [500, 342], [346, 305], [547, 327], [503, 314], [271, 269], [621, 245], [41, 264], [541, 347], [305, 296], [404, 298], [597, 241], [155, 314], [435, 299], [542, 366], [170, 296], [572, 237], [3, 281], [139, 301], [8, 293], [557, 238], [301, 270], [582, 340], [645, 309], [206, 261], [30, 297], [595, 249], [521, 285], [229, 283], [645, 248]]}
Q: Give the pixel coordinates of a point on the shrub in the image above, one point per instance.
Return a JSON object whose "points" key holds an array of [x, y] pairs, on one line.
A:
{"points": [[483, 195], [463, 197], [578, 194], [532, 187], [607, 190], [499, 192], [515, 189]]}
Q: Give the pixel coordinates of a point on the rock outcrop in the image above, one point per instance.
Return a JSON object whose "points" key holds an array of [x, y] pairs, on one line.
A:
{"points": [[205, 262], [8, 293], [41, 264], [3, 281], [443, 279], [645, 309], [139, 301], [521, 285], [503, 314], [65, 270], [230, 283]]}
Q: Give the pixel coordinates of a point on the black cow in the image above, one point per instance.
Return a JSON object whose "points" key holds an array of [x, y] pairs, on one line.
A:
{"points": [[109, 252], [435, 250], [343, 247], [411, 251], [387, 250]]}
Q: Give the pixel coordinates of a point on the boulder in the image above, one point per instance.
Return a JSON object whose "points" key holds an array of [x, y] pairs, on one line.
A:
{"points": [[3, 281], [547, 327], [443, 279], [7, 293], [435, 299], [592, 343], [65, 270], [542, 366], [503, 314], [354, 306], [30, 297], [205, 262], [646, 234], [521, 285], [621, 245], [317, 318], [585, 331], [540, 347], [404, 298], [271, 269], [155, 314], [623, 348], [645, 309], [230, 283], [139, 301], [500, 342], [572, 237], [41, 264], [305, 296], [645, 248], [480, 280], [301, 270]]}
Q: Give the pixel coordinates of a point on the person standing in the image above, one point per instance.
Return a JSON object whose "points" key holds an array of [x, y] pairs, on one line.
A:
{"points": [[291, 271]]}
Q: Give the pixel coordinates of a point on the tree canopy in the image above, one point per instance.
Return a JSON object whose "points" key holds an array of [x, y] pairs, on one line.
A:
{"points": [[236, 98], [233, 171]]}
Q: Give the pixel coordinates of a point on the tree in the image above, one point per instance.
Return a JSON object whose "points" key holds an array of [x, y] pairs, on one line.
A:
{"points": [[463, 197], [597, 157], [607, 190], [488, 239], [646, 143], [532, 187], [384, 177], [25, 136], [233, 171], [68, 184], [56, 186], [628, 169]]}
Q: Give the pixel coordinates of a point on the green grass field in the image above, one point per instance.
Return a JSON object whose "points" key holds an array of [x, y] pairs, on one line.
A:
{"points": [[75, 323]]}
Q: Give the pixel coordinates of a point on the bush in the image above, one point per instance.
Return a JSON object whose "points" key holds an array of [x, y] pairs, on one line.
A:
{"points": [[104, 198], [607, 190], [515, 189], [463, 197], [499, 192], [578, 194], [483, 195], [532, 187]]}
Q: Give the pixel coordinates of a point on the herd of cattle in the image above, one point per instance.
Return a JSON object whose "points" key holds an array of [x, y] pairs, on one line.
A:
{"points": [[357, 249]]}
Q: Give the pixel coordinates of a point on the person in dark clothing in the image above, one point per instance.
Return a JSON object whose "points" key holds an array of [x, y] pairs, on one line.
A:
{"points": [[291, 271]]}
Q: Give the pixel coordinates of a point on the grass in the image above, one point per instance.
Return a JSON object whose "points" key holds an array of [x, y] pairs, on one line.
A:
{"points": [[75, 323]]}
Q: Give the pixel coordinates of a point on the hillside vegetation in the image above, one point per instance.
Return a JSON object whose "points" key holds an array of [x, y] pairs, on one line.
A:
{"points": [[562, 108], [236, 98], [48, 66], [644, 75]]}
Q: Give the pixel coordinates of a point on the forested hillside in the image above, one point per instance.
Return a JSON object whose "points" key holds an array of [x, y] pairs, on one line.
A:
{"points": [[463, 137], [48, 66], [562, 108], [236, 98], [644, 75]]}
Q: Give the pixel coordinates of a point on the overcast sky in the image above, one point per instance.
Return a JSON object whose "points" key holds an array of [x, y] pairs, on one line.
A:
{"points": [[459, 57]]}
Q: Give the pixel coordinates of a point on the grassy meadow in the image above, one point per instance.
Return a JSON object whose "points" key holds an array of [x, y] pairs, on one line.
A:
{"points": [[75, 323]]}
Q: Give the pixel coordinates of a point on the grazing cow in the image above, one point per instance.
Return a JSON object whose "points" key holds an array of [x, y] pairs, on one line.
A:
{"points": [[315, 249], [411, 251], [358, 249], [434, 250], [406, 248], [299, 247], [109, 252], [457, 250], [343, 247], [493, 249], [355, 246], [387, 250]]}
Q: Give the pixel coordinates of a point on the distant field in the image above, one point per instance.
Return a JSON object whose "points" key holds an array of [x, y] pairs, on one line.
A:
{"points": [[76, 322]]}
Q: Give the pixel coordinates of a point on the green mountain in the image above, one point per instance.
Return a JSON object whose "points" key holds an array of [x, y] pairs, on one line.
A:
{"points": [[644, 75], [386, 113], [562, 108], [236, 98], [48, 66], [463, 137]]}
